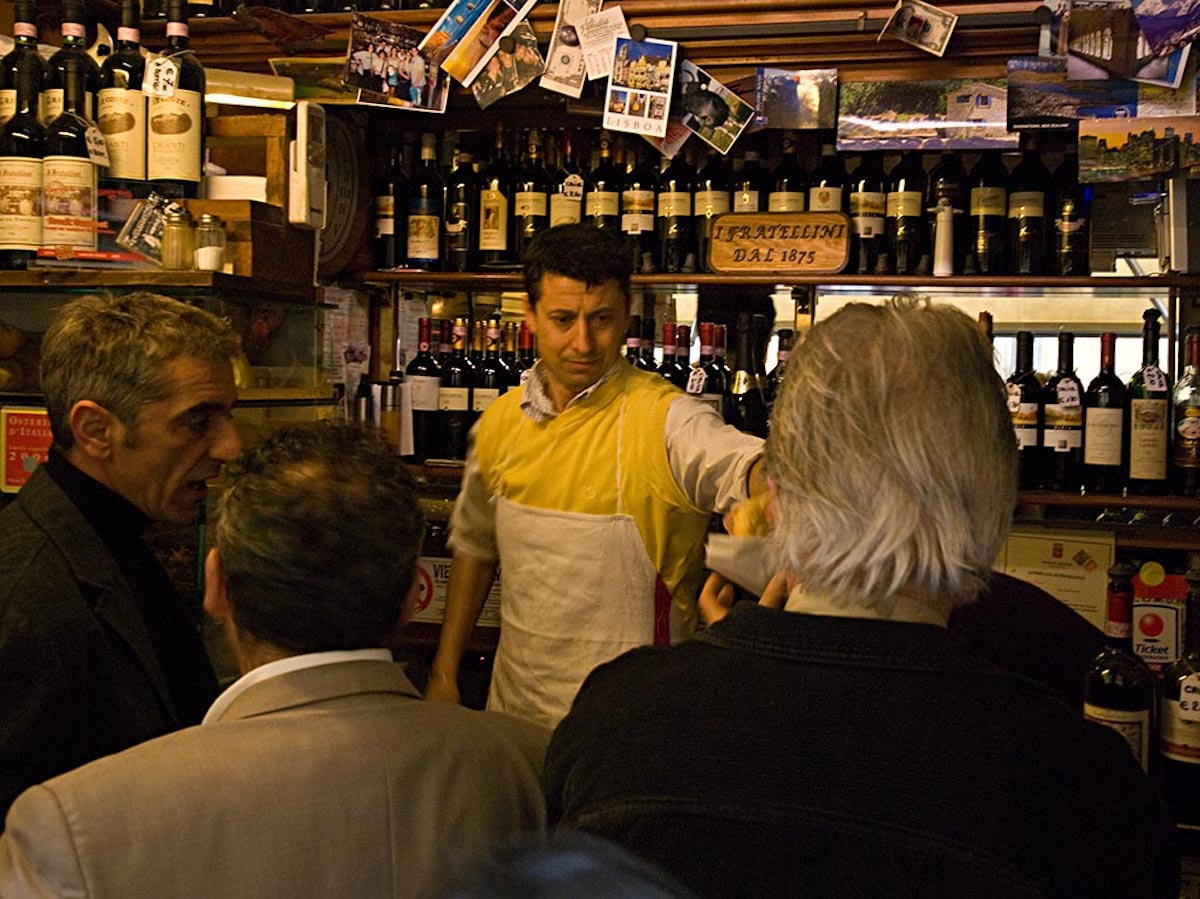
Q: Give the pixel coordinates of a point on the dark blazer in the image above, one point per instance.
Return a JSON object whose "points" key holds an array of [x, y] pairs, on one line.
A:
{"points": [[79, 677]]}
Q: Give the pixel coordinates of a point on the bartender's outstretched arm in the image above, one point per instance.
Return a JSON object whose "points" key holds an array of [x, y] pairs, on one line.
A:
{"points": [[466, 591]]}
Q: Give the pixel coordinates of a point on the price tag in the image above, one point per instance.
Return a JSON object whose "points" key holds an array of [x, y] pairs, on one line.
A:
{"points": [[96, 146], [1014, 398], [1155, 379], [1189, 698], [697, 381], [1068, 393], [162, 77]]}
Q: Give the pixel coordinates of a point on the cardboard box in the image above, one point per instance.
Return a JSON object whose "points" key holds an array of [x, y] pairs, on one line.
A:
{"points": [[261, 243]]}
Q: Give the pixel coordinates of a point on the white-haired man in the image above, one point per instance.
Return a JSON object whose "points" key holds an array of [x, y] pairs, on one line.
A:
{"points": [[848, 744]]}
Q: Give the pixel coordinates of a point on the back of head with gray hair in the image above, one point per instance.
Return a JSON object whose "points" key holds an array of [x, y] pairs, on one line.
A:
{"points": [[113, 350], [319, 531], [893, 457]]}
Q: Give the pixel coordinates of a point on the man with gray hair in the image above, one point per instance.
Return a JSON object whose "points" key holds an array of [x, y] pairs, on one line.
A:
{"points": [[843, 742], [97, 650], [321, 771]]}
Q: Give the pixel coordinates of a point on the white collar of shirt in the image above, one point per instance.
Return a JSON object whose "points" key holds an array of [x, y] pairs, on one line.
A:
{"points": [[536, 402], [285, 666], [908, 609]]}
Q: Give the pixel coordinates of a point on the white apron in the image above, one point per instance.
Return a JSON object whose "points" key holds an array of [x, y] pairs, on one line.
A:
{"points": [[578, 590]]}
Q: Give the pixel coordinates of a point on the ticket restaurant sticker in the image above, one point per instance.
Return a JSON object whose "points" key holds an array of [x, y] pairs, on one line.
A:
{"points": [[24, 444], [639, 86]]}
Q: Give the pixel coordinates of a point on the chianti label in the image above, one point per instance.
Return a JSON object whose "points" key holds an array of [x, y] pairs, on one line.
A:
{"points": [[424, 231], [824, 199], [638, 214], [529, 202], [20, 203], [121, 118], [785, 201], [745, 201], [711, 202], [603, 203], [1133, 726], [173, 138], [564, 209], [8, 105], [674, 202], [69, 202]]}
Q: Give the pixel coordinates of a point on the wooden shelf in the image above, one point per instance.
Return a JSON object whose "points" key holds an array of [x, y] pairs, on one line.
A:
{"points": [[83, 280]]}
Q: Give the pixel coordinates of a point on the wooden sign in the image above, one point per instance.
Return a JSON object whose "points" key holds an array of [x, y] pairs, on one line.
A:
{"points": [[792, 243], [24, 444]]}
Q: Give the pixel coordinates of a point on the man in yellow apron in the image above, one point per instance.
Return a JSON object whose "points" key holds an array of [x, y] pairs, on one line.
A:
{"points": [[592, 486]]}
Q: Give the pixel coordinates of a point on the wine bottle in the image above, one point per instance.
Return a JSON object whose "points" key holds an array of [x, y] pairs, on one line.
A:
{"points": [[683, 355], [1024, 396], [68, 172], [495, 206], [1062, 421], [669, 367], [475, 351], [121, 104], [948, 183], [1031, 191], [391, 213], [22, 146], [750, 184], [633, 341], [526, 353], [868, 206], [462, 199], [25, 47], [776, 374], [531, 196], [747, 406], [426, 210], [707, 381], [602, 204], [491, 378], [74, 46], [1179, 728], [989, 208], [674, 219], [568, 183], [423, 377], [508, 355], [649, 363], [174, 85], [1119, 688], [444, 328], [1072, 215], [712, 198], [454, 395], [825, 193], [789, 187], [1104, 424], [1147, 410], [639, 191], [905, 224], [1185, 448], [720, 353]]}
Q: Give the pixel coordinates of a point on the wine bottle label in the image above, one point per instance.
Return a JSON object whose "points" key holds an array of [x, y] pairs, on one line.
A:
{"points": [[1102, 433], [20, 203], [1148, 439], [121, 117], [173, 139], [385, 212], [1026, 204], [564, 210], [424, 231], [674, 202], [1025, 421], [424, 392], [1064, 427], [8, 105], [825, 199], [454, 399], [69, 202], [603, 203], [785, 201], [529, 202], [905, 204], [52, 104], [1133, 726], [482, 397], [988, 201], [637, 222], [1154, 378], [493, 224], [745, 201], [697, 381], [867, 210], [711, 202], [1179, 730], [1186, 445]]}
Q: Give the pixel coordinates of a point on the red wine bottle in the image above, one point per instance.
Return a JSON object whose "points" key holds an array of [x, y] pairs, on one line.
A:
{"points": [[1119, 689], [789, 186], [1030, 194], [426, 210], [531, 196], [707, 381], [712, 198], [24, 53], [1104, 424], [1147, 414], [1179, 731], [825, 192], [989, 208], [1024, 398], [674, 218], [905, 222], [602, 202], [750, 184], [391, 212], [462, 200], [423, 377], [868, 207], [639, 191], [782, 354], [1062, 421], [495, 207], [454, 395], [74, 46]]}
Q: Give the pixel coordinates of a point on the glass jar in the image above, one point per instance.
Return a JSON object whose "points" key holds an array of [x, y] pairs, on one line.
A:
{"points": [[210, 243], [178, 242]]}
